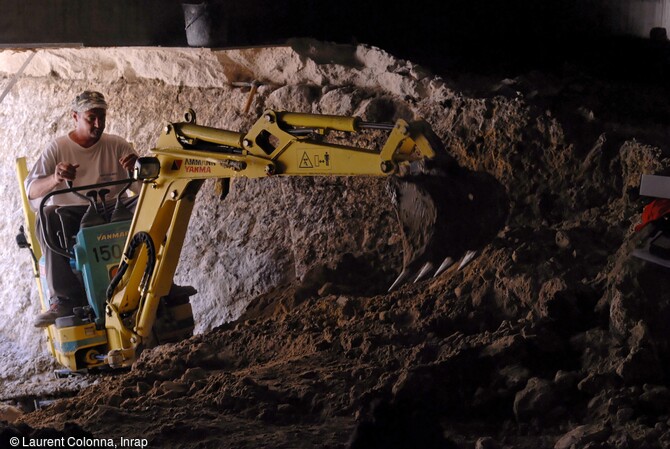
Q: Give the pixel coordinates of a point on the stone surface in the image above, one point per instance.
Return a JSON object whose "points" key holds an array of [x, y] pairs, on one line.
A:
{"points": [[553, 334]]}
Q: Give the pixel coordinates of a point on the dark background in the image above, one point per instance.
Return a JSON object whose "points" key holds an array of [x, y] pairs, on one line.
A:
{"points": [[471, 34]]}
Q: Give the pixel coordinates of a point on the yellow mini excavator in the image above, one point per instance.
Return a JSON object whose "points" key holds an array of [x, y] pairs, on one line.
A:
{"points": [[446, 214]]}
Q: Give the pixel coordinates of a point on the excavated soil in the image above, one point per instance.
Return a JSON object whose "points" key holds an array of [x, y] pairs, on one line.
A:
{"points": [[552, 337]]}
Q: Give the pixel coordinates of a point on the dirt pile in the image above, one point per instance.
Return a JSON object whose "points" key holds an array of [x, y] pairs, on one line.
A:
{"points": [[237, 249], [553, 337]]}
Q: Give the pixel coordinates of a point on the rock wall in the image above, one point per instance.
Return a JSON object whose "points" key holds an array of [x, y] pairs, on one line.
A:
{"points": [[267, 232], [569, 150], [554, 336]]}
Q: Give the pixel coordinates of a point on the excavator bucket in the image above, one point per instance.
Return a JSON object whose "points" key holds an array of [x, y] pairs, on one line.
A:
{"points": [[447, 213]]}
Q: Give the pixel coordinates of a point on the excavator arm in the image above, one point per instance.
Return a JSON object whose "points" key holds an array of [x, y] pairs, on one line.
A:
{"points": [[278, 144], [289, 144]]}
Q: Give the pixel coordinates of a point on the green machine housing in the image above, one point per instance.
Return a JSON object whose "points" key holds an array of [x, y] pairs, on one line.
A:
{"points": [[96, 256]]}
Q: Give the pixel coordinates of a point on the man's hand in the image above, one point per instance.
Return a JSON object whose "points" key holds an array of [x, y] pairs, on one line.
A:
{"points": [[128, 161], [65, 172], [41, 186]]}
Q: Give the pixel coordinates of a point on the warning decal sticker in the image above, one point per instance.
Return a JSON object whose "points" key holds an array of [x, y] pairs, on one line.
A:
{"points": [[315, 160], [305, 162]]}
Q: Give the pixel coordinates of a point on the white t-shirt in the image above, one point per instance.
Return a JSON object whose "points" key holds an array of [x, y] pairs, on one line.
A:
{"points": [[98, 163]]}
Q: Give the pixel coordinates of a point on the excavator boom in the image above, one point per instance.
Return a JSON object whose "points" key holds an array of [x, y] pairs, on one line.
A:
{"points": [[291, 144], [426, 181]]}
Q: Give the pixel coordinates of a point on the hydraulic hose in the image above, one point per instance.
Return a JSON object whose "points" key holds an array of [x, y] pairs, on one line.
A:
{"points": [[137, 240]]}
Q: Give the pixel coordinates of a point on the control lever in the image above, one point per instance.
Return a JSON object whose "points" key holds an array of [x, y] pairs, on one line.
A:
{"points": [[103, 199], [121, 212], [69, 223], [92, 216], [93, 199], [70, 185]]}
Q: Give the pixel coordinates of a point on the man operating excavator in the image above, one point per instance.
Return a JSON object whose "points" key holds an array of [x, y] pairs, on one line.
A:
{"points": [[133, 303], [89, 156]]}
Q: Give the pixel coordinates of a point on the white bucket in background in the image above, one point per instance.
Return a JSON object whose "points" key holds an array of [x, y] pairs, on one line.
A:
{"points": [[198, 24]]}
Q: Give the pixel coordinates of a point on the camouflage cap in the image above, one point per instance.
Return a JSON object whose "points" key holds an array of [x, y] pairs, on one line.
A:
{"points": [[88, 100]]}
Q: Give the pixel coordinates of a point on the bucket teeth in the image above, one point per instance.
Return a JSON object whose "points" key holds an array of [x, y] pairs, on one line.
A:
{"points": [[445, 264], [423, 272], [467, 259], [400, 279]]}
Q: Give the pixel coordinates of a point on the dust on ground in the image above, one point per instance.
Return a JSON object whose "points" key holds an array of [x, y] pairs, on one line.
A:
{"points": [[552, 337]]}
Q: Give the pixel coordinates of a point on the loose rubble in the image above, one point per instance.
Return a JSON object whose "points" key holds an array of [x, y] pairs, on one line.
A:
{"points": [[551, 337]]}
